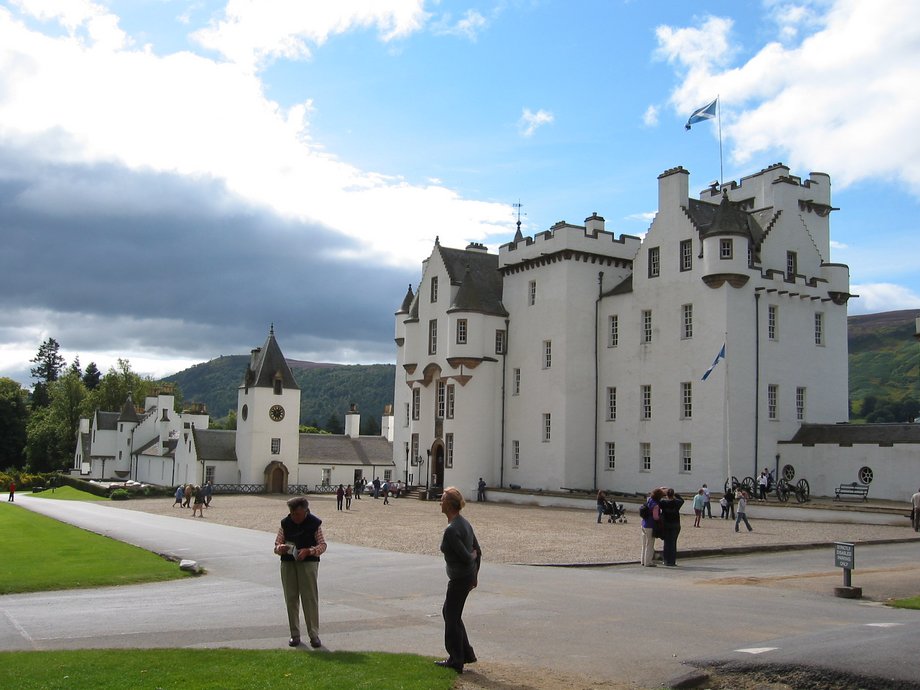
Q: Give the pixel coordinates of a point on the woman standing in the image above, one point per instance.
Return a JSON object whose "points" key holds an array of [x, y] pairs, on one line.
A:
{"points": [[463, 557], [670, 525], [649, 520], [742, 511], [601, 504]]}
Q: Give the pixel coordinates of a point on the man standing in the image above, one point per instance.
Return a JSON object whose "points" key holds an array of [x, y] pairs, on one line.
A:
{"points": [[12, 492], [742, 511], [481, 490], [462, 556], [300, 543], [376, 487], [915, 511], [707, 502]]}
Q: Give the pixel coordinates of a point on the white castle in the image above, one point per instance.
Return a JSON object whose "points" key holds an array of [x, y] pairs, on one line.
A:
{"points": [[574, 359]]}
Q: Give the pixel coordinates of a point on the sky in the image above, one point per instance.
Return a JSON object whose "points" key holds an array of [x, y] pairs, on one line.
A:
{"points": [[178, 176]]}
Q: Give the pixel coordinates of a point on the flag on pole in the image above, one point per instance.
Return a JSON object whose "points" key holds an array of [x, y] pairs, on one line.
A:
{"points": [[719, 356], [707, 112]]}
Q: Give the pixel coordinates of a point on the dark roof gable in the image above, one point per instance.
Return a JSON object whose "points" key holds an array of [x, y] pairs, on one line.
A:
{"points": [[268, 362]]}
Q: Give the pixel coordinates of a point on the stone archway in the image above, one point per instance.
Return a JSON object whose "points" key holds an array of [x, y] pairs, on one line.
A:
{"points": [[436, 466], [276, 477]]}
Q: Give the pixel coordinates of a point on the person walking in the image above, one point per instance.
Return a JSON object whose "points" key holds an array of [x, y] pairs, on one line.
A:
{"points": [[707, 505], [339, 497], [348, 497], [300, 543], [199, 502], [385, 490], [188, 491], [915, 511], [670, 526], [180, 494], [481, 490], [742, 511], [601, 505], [698, 503], [208, 490], [462, 557], [651, 514], [12, 496]]}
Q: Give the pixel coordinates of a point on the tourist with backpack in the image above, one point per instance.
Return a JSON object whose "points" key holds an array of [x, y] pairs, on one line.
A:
{"points": [[650, 512]]}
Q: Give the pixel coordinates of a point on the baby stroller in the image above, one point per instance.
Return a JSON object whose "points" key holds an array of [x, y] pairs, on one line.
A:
{"points": [[614, 511]]}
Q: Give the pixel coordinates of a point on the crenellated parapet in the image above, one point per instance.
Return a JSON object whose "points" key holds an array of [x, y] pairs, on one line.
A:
{"points": [[564, 241]]}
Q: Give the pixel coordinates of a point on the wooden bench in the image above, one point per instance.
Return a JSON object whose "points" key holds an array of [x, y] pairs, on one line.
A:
{"points": [[852, 489]]}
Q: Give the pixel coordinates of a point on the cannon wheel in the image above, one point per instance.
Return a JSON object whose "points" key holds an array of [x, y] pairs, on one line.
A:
{"points": [[802, 491], [748, 484], [730, 484], [783, 489]]}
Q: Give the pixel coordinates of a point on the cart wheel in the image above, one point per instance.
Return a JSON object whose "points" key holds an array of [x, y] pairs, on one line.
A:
{"points": [[730, 484], [803, 492], [782, 490], [748, 484]]}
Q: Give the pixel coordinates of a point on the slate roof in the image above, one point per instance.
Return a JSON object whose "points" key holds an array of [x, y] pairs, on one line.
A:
{"points": [[852, 434], [477, 275], [128, 411], [215, 444], [269, 361], [363, 451], [726, 218], [407, 301], [106, 421]]}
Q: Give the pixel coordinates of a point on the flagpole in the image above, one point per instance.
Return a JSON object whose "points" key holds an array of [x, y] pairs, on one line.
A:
{"points": [[719, 110], [726, 420]]}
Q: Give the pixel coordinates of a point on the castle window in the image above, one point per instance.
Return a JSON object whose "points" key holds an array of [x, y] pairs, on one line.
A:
{"points": [[434, 289], [499, 341], [441, 400], [686, 255], [645, 457], [645, 393], [654, 262], [610, 453], [800, 404], [515, 454], [415, 459], [416, 402], [725, 248], [450, 401], [461, 331], [532, 293], [276, 446], [772, 401], [547, 427], [646, 325], [613, 331], [792, 265], [686, 457], [772, 322], [547, 354], [611, 403], [276, 385], [209, 473], [819, 328], [448, 450], [515, 381], [686, 400], [686, 331], [433, 337], [407, 415]]}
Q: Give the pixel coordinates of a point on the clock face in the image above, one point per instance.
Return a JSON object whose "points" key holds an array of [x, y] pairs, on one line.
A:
{"points": [[276, 413]]}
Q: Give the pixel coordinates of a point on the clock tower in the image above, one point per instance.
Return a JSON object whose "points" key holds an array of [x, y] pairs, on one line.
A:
{"points": [[268, 420]]}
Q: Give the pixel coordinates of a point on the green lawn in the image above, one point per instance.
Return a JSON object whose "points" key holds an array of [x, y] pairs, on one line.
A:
{"points": [[909, 603], [68, 493], [69, 557], [220, 669]]}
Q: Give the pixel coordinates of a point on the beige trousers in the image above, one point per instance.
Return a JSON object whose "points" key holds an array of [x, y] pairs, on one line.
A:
{"points": [[298, 580]]}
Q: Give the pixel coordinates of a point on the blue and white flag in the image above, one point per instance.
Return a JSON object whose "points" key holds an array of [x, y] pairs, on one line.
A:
{"points": [[707, 112], [719, 356]]}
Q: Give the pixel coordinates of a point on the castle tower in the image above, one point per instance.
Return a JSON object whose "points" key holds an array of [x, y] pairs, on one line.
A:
{"points": [[268, 419]]}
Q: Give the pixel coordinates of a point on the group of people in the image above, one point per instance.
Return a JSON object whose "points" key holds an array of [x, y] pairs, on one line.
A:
{"points": [[661, 518], [300, 543], [194, 496]]}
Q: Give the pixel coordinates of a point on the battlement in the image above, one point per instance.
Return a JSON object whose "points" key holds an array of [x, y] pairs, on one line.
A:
{"points": [[774, 185], [590, 239]]}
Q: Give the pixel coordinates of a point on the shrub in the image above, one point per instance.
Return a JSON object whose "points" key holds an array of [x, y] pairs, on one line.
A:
{"points": [[120, 495]]}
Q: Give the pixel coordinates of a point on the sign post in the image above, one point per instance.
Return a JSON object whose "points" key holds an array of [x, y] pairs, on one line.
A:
{"points": [[845, 557]]}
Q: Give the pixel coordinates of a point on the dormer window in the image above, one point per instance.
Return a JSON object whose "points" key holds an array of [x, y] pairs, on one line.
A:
{"points": [[276, 384], [792, 265]]}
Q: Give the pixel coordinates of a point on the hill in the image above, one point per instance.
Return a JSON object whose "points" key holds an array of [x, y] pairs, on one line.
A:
{"points": [[327, 390], [884, 364]]}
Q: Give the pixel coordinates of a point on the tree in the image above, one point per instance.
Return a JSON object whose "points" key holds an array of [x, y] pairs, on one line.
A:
{"points": [[48, 362], [48, 447], [333, 425], [75, 367], [91, 376], [14, 415], [67, 402], [114, 387]]}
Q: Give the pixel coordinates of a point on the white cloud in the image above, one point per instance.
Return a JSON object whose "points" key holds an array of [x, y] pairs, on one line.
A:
{"points": [[879, 297], [252, 32], [645, 217], [650, 118], [69, 102], [840, 100], [468, 27], [530, 121]]}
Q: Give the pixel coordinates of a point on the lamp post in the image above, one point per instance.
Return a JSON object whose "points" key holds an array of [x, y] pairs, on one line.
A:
{"points": [[407, 463], [428, 474]]}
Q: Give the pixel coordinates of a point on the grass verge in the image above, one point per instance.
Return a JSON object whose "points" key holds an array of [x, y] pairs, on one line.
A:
{"points": [[68, 493], [41, 554], [220, 669], [908, 603]]}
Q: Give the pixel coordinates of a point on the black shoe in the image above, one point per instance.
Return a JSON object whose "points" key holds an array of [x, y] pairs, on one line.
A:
{"points": [[445, 663], [294, 642], [315, 642], [470, 659]]}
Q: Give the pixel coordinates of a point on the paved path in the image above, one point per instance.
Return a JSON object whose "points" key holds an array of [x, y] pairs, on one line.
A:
{"points": [[636, 625]]}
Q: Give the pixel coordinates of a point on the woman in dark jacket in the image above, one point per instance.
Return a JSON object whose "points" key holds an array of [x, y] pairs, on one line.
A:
{"points": [[670, 525]]}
